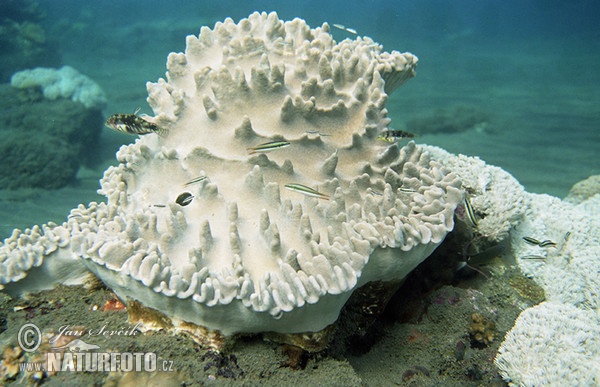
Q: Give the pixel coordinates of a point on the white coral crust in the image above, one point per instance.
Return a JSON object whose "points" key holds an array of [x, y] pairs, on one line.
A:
{"points": [[552, 344]]}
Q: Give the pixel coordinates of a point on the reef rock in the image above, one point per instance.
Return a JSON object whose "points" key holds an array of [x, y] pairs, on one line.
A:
{"points": [[44, 141], [207, 231]]}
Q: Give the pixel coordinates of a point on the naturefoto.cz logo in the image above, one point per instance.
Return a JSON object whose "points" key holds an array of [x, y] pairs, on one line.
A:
{"points": [[67, 351]]}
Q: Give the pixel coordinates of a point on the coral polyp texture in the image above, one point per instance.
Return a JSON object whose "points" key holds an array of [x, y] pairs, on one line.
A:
{"points": [[266, 199]]}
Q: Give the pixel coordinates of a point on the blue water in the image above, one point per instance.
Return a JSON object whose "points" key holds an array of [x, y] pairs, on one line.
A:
{"points": [[530, 66]]}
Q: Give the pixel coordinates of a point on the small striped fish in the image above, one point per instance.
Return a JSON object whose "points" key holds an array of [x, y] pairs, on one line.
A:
{"points": [[306, 191], [394, 135], [133, 124], [194, 181], [533, 257], [531, 241], [344, 28], [544, 243], [472, 219], [268, 146], [547, 243]]}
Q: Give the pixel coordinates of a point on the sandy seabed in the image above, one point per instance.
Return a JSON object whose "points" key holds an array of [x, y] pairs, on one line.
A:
{"points": [[423, 338]]}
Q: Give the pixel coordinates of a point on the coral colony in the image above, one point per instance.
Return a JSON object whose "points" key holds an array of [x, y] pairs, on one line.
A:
{"points": [[267, 199], [218, 224]]}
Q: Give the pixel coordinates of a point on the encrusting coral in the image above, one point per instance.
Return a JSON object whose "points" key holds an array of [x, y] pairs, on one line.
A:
{"points": [[481, 330], [205, 231]]}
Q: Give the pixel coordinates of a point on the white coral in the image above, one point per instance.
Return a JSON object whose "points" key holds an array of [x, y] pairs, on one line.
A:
{"points": [[557, 342], [65, 82], [552, 344], [568, 272], [498, 199], [247, 255]]}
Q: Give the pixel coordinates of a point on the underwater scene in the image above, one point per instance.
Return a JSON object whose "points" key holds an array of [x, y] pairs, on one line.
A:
{"points": [[338, 193]]}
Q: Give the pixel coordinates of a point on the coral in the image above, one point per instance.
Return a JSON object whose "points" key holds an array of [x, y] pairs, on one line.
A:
{"points": [[33, 32], [552, 344], [498, 200], [481, 330], [65, 82], [584, 190], [568, 271], [244, 254], [12, 356], [556, 342], [565, 267], [21, 10]]}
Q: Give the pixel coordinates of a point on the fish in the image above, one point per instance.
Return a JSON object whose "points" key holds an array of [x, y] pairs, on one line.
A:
{"points": [[133, 124], [194, 181], [547, 243], [306, 191], [544, 243], [344, 28], [184, 199], [407, 190], [531, 241], [470, 212], [268, 146], [533, 257], [393, 135]]}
